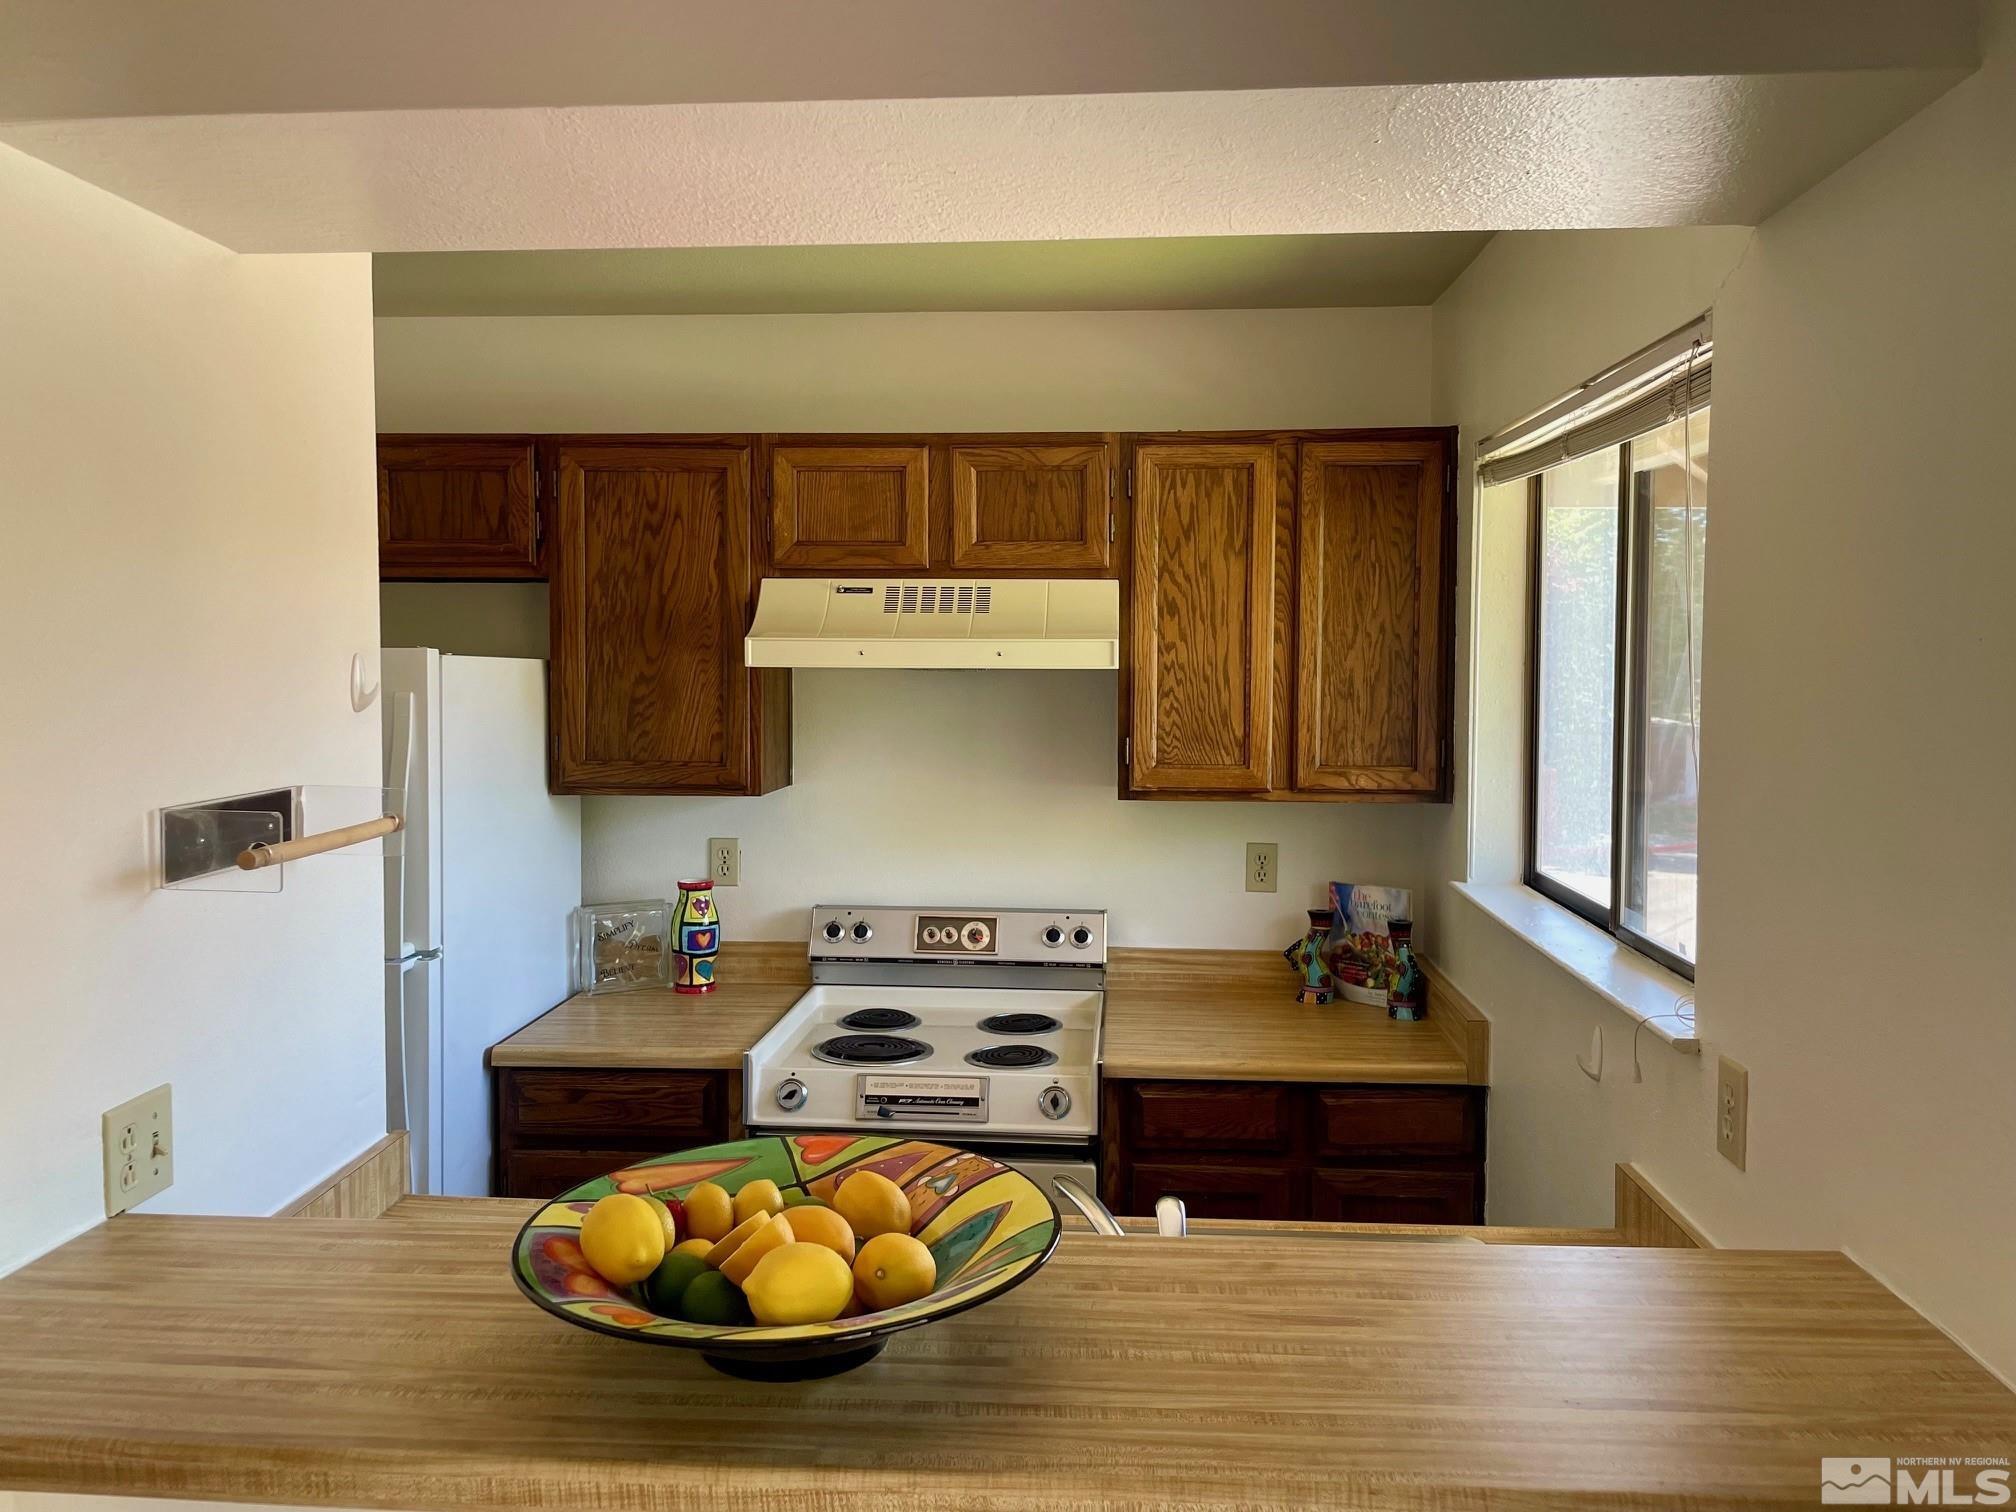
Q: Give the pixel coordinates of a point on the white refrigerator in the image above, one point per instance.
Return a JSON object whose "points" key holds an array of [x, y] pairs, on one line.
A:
{"points": [[480, 890]]}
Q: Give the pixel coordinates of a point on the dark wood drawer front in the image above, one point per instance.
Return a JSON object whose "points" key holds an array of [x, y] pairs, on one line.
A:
{"points": [[1411, 1121], [1394, 1197], [614, 1106], [1215, 1191], [1211, 1116], [547, 1173]]}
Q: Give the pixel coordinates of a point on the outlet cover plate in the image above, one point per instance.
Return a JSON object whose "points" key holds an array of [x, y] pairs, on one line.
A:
{"points": [[139, 1149], [1263, 866], [1732, 1112], [724, 861]]}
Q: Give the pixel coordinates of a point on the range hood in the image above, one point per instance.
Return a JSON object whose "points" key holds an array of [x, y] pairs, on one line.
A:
{"points": [[936, 622]]}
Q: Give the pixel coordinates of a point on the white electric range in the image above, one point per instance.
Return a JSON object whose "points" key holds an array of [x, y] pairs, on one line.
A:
{"points": [[975, 1026]]}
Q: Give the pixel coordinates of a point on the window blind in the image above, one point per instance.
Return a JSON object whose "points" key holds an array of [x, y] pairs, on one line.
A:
{"points": [[1670, 378]]}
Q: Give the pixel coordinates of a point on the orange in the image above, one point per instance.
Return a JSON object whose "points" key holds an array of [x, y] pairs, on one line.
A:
{"points": [[698, 1247], [821, 1225], [773, 1235], [710, 1212], [623, 1237], [798, 1283], [872, 1204], [893, 1269], [734, 1240], [759, 1196]]}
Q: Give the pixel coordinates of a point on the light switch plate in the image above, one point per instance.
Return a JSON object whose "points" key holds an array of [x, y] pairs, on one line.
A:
{"points": [[1732, 1112], [139, 1149], [724, 862], [1263, 864]]}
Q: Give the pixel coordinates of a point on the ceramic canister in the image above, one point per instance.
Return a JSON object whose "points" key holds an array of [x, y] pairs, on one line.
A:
{"points": [[696, 936]]}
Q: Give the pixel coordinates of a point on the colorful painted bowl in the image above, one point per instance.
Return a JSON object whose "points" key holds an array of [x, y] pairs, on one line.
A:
{"points": [[988, 1227]]}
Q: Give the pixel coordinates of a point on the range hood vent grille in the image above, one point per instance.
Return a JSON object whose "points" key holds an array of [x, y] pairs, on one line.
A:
{"points": [[938, 598], [911, 622]]}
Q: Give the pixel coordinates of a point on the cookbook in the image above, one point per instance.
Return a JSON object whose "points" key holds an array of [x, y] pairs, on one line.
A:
{"points": [[1360, 949]]}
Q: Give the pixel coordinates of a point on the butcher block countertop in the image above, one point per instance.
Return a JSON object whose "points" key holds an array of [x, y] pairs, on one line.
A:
{"points": [[386, 1363], [1217, 1015]]}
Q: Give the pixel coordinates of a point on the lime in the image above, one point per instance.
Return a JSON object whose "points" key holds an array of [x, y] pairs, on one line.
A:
{"points": [[675, 1272], [713, 1298]]}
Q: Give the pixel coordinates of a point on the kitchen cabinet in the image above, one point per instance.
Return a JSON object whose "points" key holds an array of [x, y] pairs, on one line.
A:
{"points": [[653, 581], [458, 507], [850, 506], [1201, 630], [1288, 1150], [1031, 507], [1289, 616], [559, 1127]]}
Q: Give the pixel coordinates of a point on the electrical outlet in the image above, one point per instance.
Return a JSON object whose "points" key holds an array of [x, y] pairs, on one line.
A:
{"points": [[139, 1149], [1732, 1113], [724, 862], [1263, 861]]}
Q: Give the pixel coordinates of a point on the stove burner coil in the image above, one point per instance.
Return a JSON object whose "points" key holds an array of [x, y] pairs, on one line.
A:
{"points": [[880, 1018], [1011, 1057], [870, 1050], [1020, 1023]]}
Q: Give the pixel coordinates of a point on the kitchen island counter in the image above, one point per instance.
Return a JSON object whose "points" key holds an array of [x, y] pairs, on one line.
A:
{"points": [[393, 1363]]}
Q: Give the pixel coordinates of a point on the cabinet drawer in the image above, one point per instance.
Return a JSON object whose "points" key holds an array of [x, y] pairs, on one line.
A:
{"points": [[547, 1173], [1215, 1191], [1211, 1116], [1409, 1121], [1374, 1196], [614, 1107]]}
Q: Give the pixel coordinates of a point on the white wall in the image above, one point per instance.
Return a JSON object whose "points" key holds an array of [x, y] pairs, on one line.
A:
{"points": [[189, 567], [1858, 820], [977, 787]]}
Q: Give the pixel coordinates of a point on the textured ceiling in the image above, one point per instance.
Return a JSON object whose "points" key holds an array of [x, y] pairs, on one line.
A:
{"points": [[1174, 273], [1453, 157], [81, 58]]}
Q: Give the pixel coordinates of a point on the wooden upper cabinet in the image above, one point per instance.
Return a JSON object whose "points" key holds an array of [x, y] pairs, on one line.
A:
{"points": [[457, 507], [1201, 714], [652, 581], [1370, 633], [1039, 508], [850, 507]]}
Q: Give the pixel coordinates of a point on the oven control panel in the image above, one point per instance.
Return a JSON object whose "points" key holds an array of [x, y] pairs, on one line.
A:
{"points": [[1007, 936]]}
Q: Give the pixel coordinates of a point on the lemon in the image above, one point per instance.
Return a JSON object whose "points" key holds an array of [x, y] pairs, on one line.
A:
{"points": [[893, 1269], [699, 1247], [713, 1298], [738, 1236], [710, 1211], [799, 1283], [671, 1221], [821, 1225], [759, 1196], [623, 1237], [775, 1234], [872, 1204]]}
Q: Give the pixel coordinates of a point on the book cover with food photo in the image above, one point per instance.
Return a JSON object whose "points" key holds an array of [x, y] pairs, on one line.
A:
{"points": [[1360, 950]]}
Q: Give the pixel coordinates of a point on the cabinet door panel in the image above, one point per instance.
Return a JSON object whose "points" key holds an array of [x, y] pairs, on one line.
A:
{"points": [[548, 1173], [594, 1107], [1215, 1191], [850, 508], [1411, 1121], [651, 583], [1211, 1116], [1030, 507], [1394, 1197], [1369, 633], [1202, 705], [450, 507]]}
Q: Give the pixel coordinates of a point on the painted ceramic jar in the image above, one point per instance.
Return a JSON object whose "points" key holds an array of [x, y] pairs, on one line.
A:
{"points": [[1407, 993], [1306, 957], [696, 937]]}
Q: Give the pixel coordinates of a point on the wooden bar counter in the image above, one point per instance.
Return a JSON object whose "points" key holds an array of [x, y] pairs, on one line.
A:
{"points": [[391, 1363]]}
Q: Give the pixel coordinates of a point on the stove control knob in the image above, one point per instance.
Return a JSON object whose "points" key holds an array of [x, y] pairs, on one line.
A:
{"points": [[832, 931], [862, 932], [1053, 935], [1053, 1102], [1081, 937], [791, 1094], [976, 935]]}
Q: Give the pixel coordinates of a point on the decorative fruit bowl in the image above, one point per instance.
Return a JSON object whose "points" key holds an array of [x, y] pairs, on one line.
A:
{"points": [[987, 1228]]}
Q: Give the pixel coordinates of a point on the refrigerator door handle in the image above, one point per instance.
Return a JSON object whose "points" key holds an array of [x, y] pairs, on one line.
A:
{"points": [[397, 1102], [398, 776]]}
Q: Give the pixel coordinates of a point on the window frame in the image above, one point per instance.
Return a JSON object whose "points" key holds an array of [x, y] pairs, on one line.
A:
{"points": [[1628, 696]]}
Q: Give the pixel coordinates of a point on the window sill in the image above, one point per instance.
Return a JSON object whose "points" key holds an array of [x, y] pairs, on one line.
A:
{"points": [[1640, 987]]}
